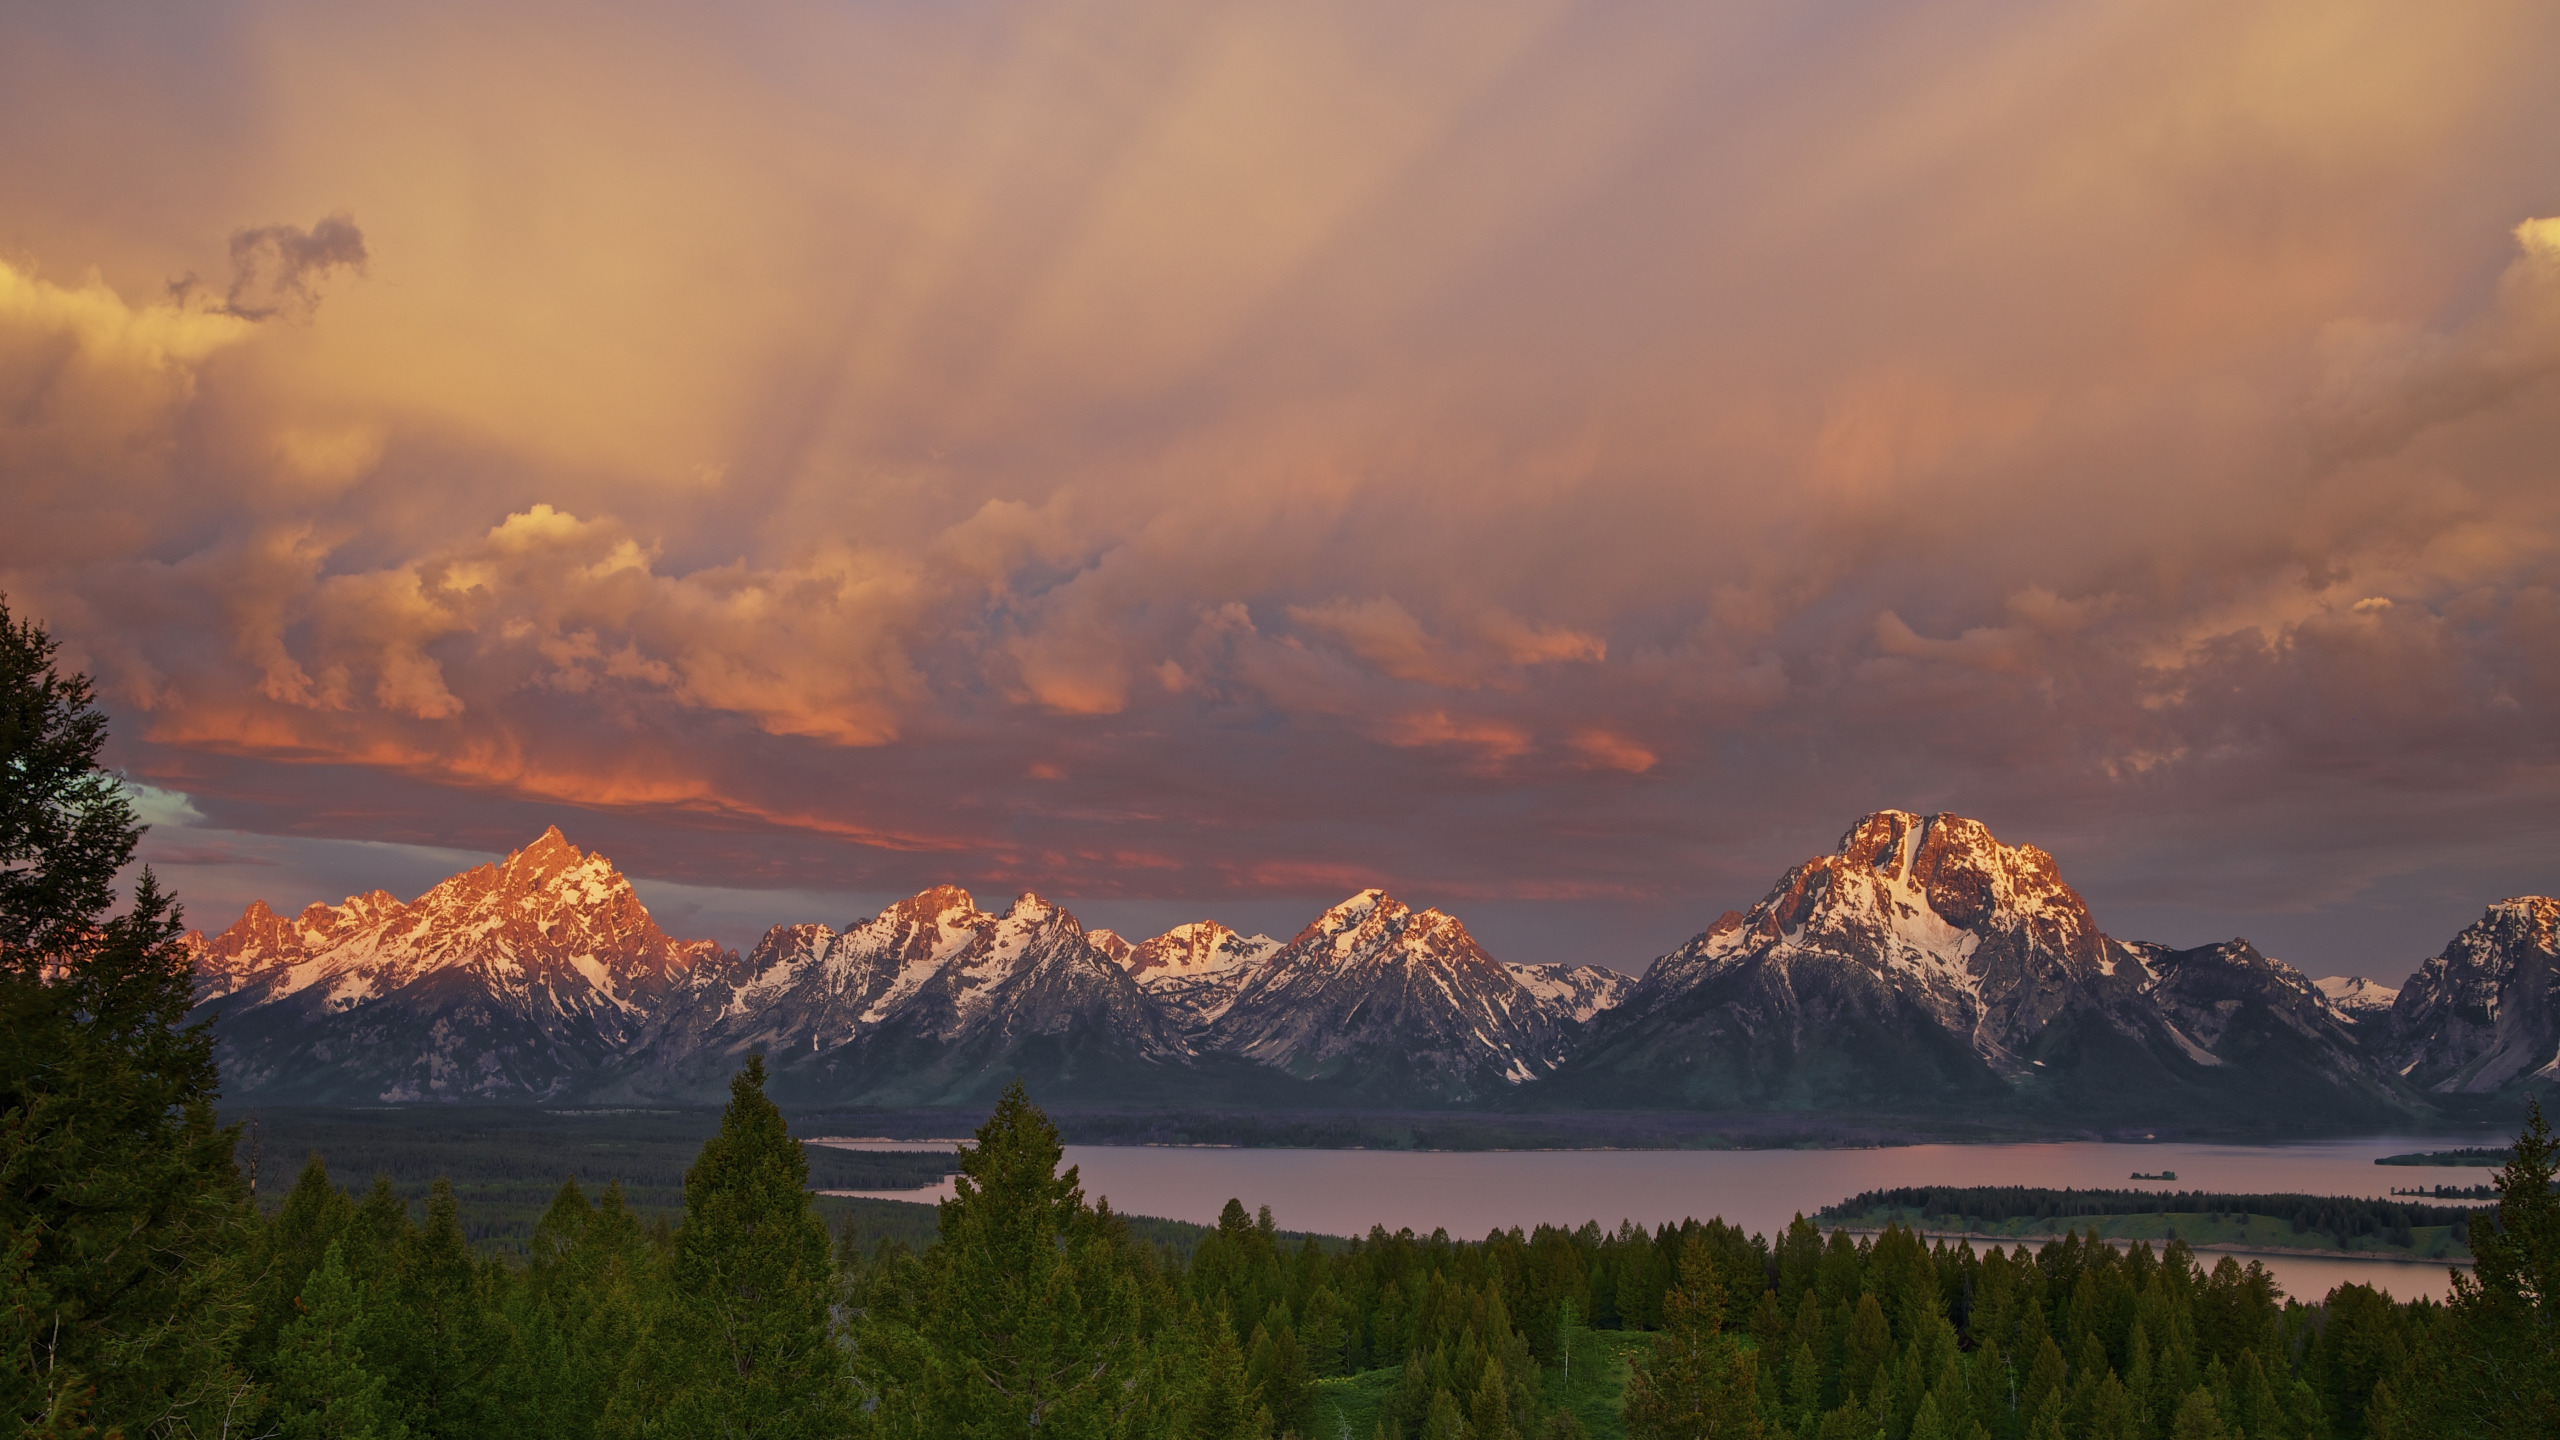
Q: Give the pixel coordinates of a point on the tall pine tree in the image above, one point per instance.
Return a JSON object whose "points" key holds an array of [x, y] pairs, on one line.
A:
{"points": [[2501, 1374], [1697, 1384], [743, 1342], [1029, 1321], [121, 1215], [441, 1334], [324, 1387], [290, 1246]]}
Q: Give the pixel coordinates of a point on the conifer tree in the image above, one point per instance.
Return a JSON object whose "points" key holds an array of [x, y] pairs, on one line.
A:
{"points": [[439, 1338], [122, 1218], [2198, 1418], [289, 1248], [1031, 1319], [541, 1380], [578, 1316], [1870, 1345], [1444, 1420], [1697, 1384], [1221, 1405], [743, 1343], [324, 1389], [1277, 1371], [2503, 1377]]}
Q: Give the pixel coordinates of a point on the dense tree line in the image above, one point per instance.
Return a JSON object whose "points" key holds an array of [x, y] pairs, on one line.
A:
{"points": [[146, 1295], [2344, 1217]]}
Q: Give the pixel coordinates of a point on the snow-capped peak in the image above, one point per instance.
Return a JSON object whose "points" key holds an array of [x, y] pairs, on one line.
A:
{"points": [[1984, 936], [1354, 910], [2354, 995], [550, 941], [1202, 947]]}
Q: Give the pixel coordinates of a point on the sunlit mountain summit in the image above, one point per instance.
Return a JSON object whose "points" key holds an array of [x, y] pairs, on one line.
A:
{"points": [[1921, 967]]}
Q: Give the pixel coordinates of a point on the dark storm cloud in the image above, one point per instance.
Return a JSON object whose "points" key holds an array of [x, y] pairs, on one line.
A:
{"points": [[275, 268]]}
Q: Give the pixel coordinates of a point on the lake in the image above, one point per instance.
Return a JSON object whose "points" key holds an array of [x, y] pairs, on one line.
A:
{"points": [[1344, 1192]]}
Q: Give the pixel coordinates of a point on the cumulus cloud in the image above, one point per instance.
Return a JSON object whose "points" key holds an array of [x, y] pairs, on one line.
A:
{"points": [[2389, 382], [1493, 447], [1385, 635]]}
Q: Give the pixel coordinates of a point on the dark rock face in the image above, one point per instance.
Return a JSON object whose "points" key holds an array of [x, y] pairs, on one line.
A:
{"points": [[2484, 1016], [524, 980], [2262, 1024]]}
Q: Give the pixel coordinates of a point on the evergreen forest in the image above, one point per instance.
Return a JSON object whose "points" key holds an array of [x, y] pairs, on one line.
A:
{"points": [[145, 1292]]}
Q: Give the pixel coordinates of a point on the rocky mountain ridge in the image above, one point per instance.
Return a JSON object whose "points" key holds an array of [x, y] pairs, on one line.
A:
{"points": [[931, 1001], [523, 979], [1924, 963], [1921, 966]]}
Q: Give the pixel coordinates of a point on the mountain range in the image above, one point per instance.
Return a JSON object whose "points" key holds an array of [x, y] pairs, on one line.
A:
{"points": [[1920, 968]]}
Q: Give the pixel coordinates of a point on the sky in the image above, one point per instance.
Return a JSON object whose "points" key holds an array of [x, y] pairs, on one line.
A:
{"points": [[1563, 463]]}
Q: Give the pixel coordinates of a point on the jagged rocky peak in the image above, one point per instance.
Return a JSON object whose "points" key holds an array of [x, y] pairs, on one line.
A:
{"points": [[1374, 927], [1197, 970], [1032, 910], [546, 911], [2199, 993], [931, 905], [2484, 1015], [261, 939], [1199, 948], [515, 979], [1929, 881]]}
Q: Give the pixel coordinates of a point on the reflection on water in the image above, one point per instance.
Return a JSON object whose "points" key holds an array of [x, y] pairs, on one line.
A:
{"points": [[1344, 1192]]}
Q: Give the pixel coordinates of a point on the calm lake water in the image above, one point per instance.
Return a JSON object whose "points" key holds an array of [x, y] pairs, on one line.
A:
{"points": [[1344, 1192]]}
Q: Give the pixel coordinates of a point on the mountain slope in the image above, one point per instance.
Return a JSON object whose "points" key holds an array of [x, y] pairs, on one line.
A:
{"points": [[522, 980], [2484, 1015], [2263, 1025]]}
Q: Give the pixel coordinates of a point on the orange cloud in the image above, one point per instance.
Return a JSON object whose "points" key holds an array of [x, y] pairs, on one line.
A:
{"points": [[1507, 441]]}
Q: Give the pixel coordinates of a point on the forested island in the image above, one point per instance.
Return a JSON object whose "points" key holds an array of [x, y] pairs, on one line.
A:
{"points": [[2479, 1156], [2339, 1224]]}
